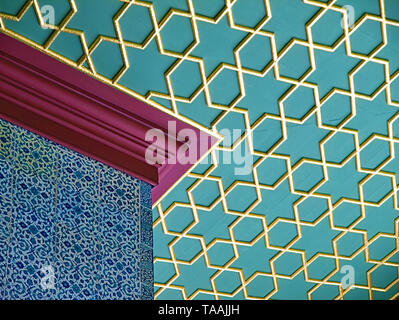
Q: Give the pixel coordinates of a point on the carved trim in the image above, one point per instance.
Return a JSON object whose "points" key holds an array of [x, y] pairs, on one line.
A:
{"points": [[69, 107]]}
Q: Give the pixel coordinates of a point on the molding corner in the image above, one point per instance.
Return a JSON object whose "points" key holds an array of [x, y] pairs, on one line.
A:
{"points": [[54, 100]]}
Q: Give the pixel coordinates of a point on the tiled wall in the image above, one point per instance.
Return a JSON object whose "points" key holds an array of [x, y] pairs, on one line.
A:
{"points": [[68, 216]]}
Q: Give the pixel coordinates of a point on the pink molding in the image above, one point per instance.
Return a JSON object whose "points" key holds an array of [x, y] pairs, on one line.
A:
{"points": [[54, 100]]}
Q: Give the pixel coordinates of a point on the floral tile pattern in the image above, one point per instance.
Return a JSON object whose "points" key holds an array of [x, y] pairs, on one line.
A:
{"points": [[83, 219]]}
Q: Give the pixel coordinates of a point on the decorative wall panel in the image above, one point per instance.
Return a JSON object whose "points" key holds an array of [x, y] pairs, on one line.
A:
{"points": [[313, 88], [70, 227]]}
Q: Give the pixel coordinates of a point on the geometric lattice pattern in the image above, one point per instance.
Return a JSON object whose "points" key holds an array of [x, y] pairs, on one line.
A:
{"points": [[67, 217], [313, 87]]}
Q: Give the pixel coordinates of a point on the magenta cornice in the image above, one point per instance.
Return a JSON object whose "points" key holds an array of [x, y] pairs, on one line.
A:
{"points": [[54, 100]]}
